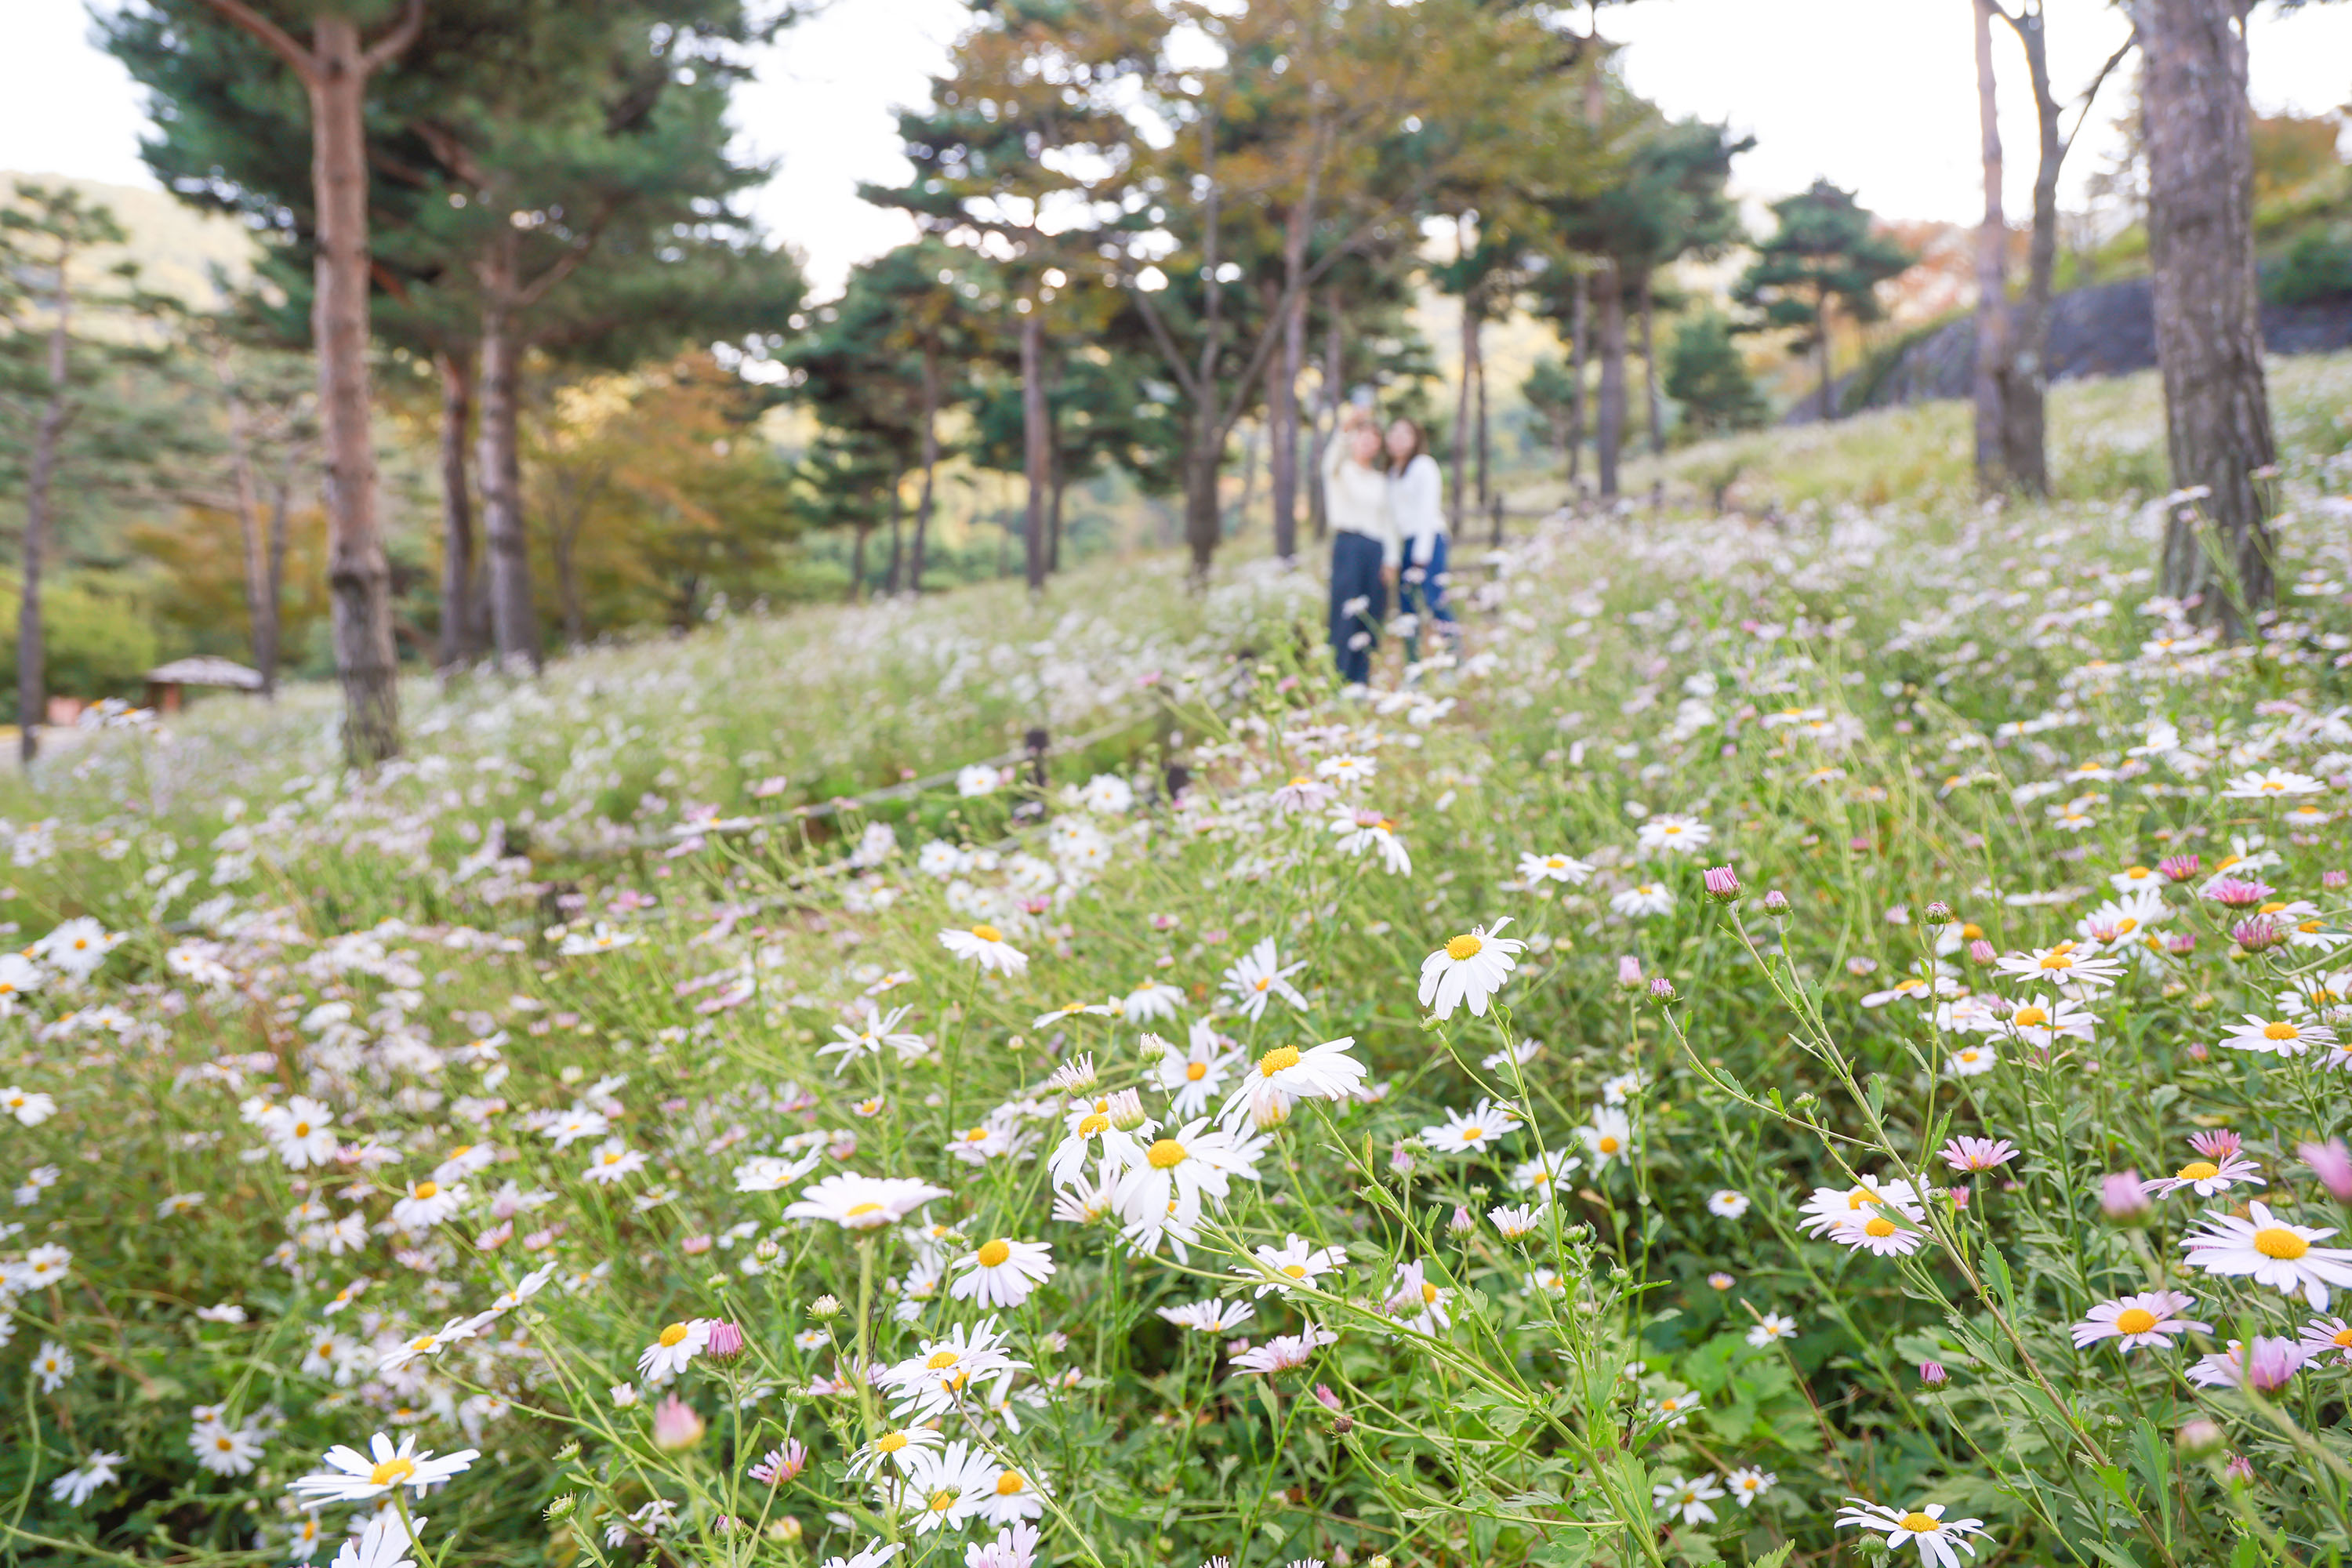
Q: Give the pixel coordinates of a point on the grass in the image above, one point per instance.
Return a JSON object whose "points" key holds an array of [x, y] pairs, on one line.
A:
{"points": [[459, 1103]]}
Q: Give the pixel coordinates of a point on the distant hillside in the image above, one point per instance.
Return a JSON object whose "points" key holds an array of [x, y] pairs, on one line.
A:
{"points": [[177, 246], [2105, 330]]}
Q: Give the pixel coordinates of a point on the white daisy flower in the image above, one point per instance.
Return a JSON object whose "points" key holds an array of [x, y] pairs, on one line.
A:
{"points": [[1468, 969], [2270, 1252], [354, 1476], [1927, 1528], [1003, 1272], [1285, 1075], [984, 946], [863, 1202]]}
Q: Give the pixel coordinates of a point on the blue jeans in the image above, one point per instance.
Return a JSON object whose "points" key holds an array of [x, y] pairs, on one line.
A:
{"points": [[1356, 575], [1424, 595]]}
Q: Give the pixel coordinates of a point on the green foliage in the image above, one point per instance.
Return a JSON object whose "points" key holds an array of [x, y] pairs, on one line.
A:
{"points": [[2317, 268], [1824, 255], [100, 633], [1707, 375]]}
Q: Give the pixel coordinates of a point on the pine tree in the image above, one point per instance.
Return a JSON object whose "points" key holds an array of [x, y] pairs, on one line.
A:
{"points": [[1708, 376], [1824, 256]]}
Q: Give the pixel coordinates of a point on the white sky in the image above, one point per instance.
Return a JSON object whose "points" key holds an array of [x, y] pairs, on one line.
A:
{"points": [[1879, 95]]}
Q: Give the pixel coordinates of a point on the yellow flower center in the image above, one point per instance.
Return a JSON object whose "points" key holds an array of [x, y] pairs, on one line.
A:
{"points": [[1918, 1523], [1093, 1124], [942, 1500], [2281, 1031], [854, 1210], [1428, 1294], [940, 1361], [421, 1343], [428, 1189], [994, 1253], [889, 1442], [2058, 961], [2029, 1018], [1195, 1071], [977, 1135], [2277, 1241], [2199, 1171], [1878, 1225], [987, 934], [1011, 1483], [2134, 1320], [1463, 947], [675, 1334], [1607, 1144], [301, 1130], [461, 1151], [2342, 1336], [1274, 1060], [1165, 1155], [392, 1472], [1472, 1133], [1295, 1271]]}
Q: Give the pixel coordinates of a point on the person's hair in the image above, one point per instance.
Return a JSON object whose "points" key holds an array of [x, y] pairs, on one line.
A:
{"points": [[1419, 443]]}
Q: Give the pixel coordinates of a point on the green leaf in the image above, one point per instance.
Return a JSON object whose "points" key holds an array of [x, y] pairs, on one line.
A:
{"points": [[1776, 1557]]}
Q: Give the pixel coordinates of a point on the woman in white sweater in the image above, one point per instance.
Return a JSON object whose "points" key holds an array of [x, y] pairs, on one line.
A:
{"points": [[1417, 505], [1364, 543]]}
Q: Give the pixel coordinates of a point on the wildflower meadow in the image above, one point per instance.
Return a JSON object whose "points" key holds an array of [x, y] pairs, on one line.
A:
{"points": [[1781, 1042]]}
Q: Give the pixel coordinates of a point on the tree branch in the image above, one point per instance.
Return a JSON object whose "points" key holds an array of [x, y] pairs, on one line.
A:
{"points": [[394, 44], [2099, 82], [272, 37]]}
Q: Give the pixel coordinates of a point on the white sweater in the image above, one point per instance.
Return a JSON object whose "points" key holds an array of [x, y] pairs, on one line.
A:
{"points": [[1356, 498], [1417, 501]]}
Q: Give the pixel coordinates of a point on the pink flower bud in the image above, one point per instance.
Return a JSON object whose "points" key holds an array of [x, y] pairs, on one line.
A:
{"points": [[2199, 1438], [2332, 1164], [1933, 1374], [782, 1465], [2257, 935], [676, 1426], [1661, 989], [1323, 1393], [1776, 902], [1981, 952], [1629, 972], [2178, 868], [2122, 1199], [1463, 1222], [726, 1341], [1722, 883], [2332, 880]]}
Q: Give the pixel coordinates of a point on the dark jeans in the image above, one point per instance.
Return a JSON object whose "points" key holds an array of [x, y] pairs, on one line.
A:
{"points": [[1426, 596], [1356, 575]]}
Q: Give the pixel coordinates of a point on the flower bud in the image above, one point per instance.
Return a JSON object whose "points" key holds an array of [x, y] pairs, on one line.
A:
{"points": [[2240, 1469], [2200, 1439], [1776, 902], [726, 1341], [676, 1426], [2122, 1199], [1125, 1109], [1629, 972], [2332, 1164], [1940, 913], [1401, 1159], [1323, 1395], [1151, 1048], [1722, 883], [2332, 880], [2180, 942], [1933, 1374], [1661, 989], [825, 1306], [1462, 1224], [786, 1530], [2178, 868], [561, 1508], [1981, 952], [767, 1251], [2257, 935]]}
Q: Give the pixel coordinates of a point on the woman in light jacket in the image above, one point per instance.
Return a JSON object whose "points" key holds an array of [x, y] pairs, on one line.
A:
{"points": [[1417, 505], [1364, 544]]}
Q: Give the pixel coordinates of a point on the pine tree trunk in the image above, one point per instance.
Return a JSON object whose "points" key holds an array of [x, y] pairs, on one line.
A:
{"points": [[1282, 428], [1319, 505], [267, 631], [1579, 350], [1650, 371], [1992, 276], [1203, 524], [1821, 355], [2217, 550], [1032, 444], [898, 541], [930, 463], [460, 634], [858, 560], [514, 619], [1608, 425], [1057, 484], [1478, 373], [2025, 386], [260, 604], [359, 578], [41, 488], [1459, 477]]}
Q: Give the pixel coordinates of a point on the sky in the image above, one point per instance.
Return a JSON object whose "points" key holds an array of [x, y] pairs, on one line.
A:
{"points": [[1877, 94]]}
